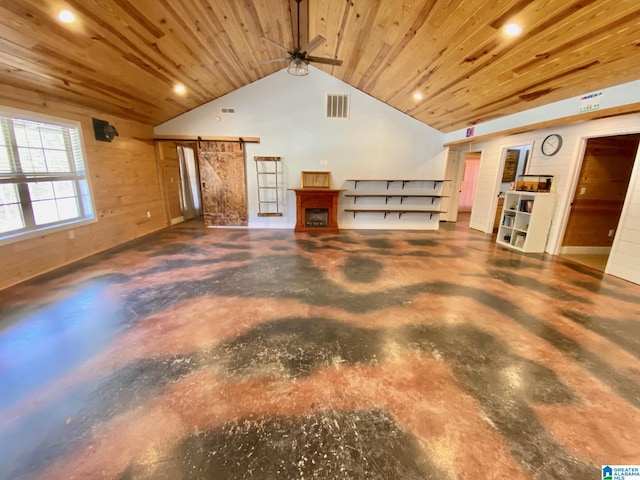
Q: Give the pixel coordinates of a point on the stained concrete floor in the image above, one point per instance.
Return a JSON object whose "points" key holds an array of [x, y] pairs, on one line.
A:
{"points": [[246, 354]]}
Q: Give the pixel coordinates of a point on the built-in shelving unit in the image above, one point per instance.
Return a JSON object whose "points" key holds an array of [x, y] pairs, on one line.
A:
{"points": [[400, 201], [525, 221]]}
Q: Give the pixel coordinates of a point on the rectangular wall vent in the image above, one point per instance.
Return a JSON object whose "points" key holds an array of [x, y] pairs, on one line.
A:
{"points": [[228, 110], [337, 105]]}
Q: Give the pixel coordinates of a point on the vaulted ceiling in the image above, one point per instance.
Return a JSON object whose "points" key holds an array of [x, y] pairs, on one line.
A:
{"points": [[123, 57]]}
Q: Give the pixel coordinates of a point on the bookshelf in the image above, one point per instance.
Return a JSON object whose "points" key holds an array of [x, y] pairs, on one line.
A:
{"points": [[525, 221]]}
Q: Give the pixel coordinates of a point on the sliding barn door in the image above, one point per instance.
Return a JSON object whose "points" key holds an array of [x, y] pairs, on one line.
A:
{"points": [[224, 185]]}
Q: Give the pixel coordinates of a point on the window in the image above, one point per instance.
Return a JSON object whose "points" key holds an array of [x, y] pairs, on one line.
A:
{"points": [[43, 181]]}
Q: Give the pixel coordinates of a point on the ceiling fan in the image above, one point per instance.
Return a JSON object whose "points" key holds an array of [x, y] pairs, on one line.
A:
{"points": [[299, 57]]}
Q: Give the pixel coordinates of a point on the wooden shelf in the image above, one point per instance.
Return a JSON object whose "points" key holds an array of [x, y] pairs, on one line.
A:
{"points": [[389, 182], [387, 211], [387, 197], [414, 192]]}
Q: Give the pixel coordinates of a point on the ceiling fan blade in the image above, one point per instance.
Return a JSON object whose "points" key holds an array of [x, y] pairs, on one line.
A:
{"points": [[275, 44], [315, 43], [276, 60], [327, 61]]}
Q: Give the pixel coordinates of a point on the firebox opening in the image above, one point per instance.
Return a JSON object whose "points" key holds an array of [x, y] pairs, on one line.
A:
{"points": [[316, 217]]}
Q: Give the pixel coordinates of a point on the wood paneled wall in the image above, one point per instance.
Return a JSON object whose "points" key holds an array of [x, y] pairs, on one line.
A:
{"points": [[125, 183]]}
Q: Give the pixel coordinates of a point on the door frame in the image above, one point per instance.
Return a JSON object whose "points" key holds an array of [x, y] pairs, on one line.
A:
{"points": [[453, 172], [574, 176], [161, 178], [462, 173]]}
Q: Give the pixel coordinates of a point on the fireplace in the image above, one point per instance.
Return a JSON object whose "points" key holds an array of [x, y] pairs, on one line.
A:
{"points": [[316, 210], [316, 217]]}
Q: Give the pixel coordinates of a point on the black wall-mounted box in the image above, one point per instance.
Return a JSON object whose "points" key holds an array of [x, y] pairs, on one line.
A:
{"points": [[103, 131]]}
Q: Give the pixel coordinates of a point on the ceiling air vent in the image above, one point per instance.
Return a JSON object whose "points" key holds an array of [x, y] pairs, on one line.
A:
{"points": [[337, 105], [228, 110]]}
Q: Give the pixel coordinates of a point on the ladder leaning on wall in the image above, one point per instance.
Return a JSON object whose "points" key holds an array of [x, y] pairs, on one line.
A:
{"points": [[269, 176]]}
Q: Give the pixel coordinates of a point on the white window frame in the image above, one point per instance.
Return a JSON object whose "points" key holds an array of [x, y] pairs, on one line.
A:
{"points": [[86, 206]]}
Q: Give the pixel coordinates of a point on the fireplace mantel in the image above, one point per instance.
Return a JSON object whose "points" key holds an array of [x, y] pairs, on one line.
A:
{"points": [[311, 205]]}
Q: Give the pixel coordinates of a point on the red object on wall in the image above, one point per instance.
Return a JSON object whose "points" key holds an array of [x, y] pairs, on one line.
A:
{"points": [[316, 210]]}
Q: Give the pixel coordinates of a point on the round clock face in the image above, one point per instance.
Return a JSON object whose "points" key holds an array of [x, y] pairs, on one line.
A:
{"points": [[551, 145]]}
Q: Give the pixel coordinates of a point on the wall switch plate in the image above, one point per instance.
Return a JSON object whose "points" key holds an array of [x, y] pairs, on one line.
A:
{"points": [[72, 234], [611, 233], [148, 214], [583, 190]]}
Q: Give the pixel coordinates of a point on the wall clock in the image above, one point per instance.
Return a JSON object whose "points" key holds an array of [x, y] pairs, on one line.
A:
{"points": [[551, 145]]}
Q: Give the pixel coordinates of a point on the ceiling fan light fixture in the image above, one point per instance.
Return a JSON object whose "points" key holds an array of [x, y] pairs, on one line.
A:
{"points": [[298, 68]]}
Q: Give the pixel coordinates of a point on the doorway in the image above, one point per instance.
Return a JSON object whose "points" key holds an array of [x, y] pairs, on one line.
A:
{"points": [[178, 168], [190, 194], [467, 186], [452, 189], [598, 199], [169, 170], [469, 182]]}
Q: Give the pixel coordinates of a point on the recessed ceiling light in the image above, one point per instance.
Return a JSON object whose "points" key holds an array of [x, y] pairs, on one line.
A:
{"points": [[180, 89], [418, 96], [66, 16], [513, 29]]}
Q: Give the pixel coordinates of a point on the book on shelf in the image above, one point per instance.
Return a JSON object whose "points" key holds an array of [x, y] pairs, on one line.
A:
{"points": [[526, 206], [508, 221]]}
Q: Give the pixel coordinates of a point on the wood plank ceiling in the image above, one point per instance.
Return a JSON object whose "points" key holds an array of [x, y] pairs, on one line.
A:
{"points": [[123, 57]]}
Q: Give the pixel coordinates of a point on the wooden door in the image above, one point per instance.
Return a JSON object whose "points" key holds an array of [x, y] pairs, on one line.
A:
{"points": [[170, 171], [601, 190], [223, 182]]}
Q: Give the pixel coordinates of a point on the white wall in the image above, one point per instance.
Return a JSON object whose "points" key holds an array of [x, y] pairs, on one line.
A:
{"points": [[624, 260], [612, 97], [288, 114]]}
